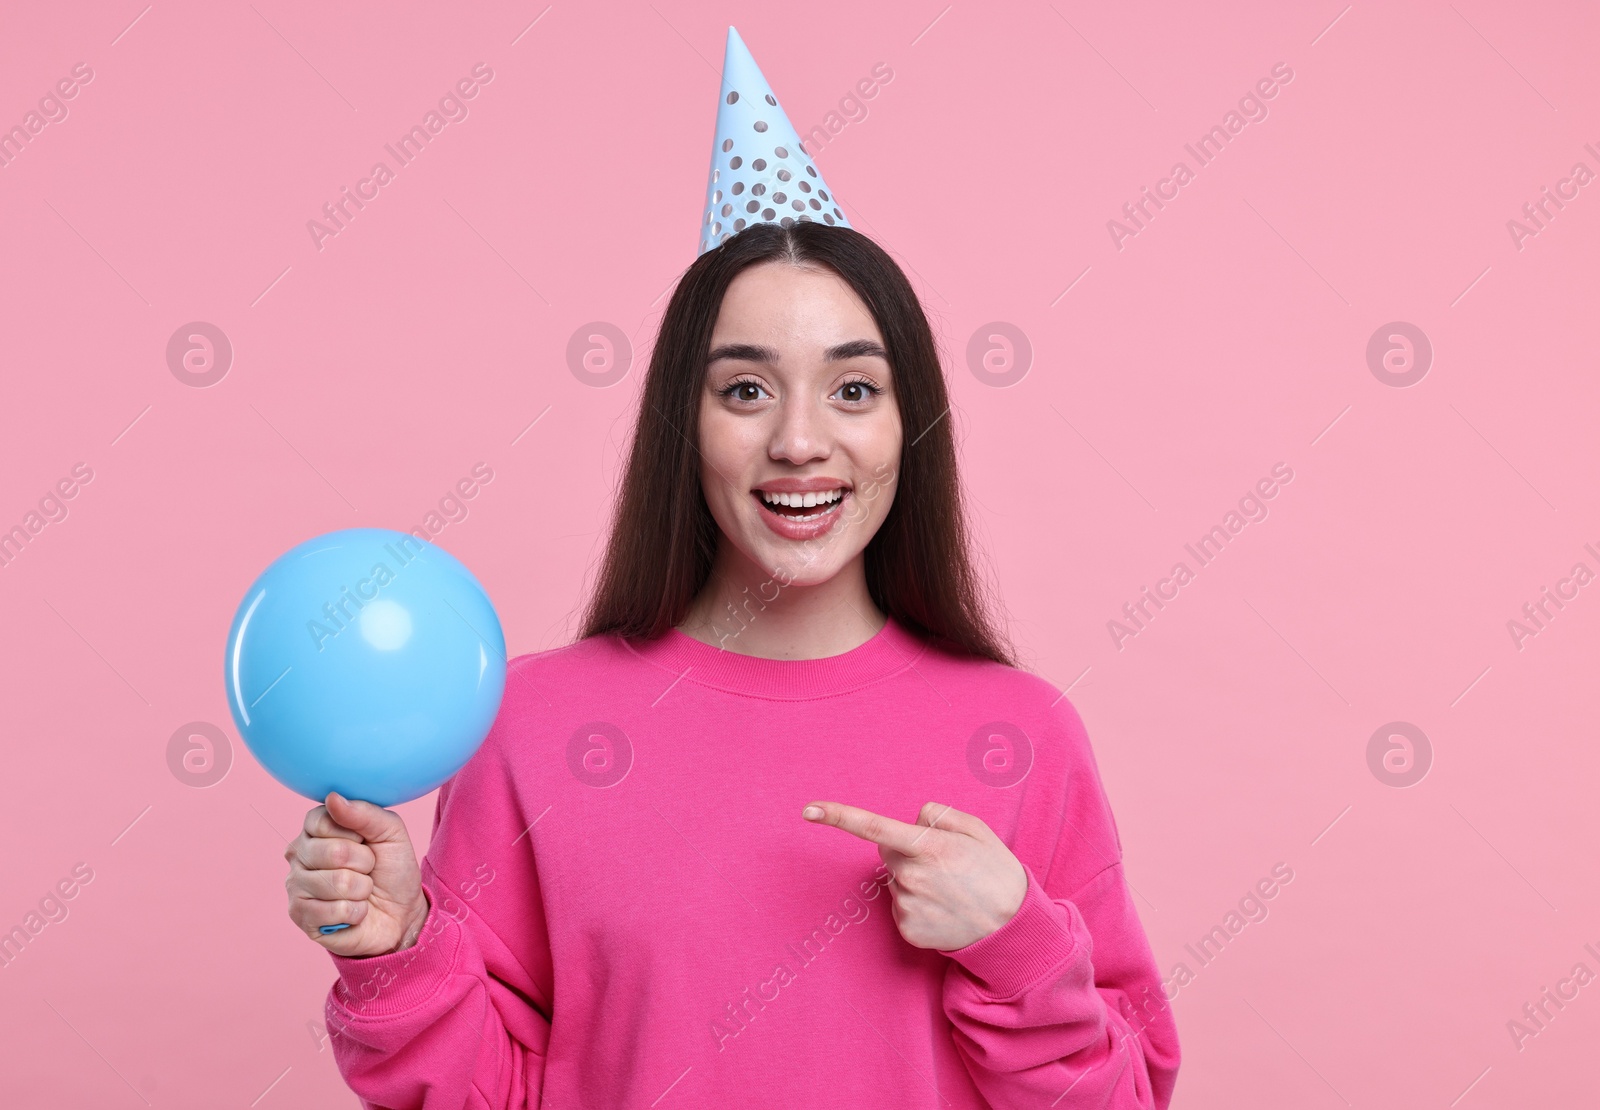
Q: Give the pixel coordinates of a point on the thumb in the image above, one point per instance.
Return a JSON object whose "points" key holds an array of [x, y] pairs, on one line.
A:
{"points": [[946, 817], [372, 822]]}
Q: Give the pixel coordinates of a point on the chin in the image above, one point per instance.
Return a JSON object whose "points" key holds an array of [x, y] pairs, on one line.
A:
{"points": [[812, 577]]}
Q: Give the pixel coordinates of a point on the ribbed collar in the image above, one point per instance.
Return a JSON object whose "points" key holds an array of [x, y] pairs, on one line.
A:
{"points": [[891, 649]]}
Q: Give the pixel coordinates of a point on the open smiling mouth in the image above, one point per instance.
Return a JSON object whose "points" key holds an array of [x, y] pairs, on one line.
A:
{"points": [[802, 506]]}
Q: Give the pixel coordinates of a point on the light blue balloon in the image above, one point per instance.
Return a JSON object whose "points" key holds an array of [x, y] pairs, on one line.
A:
{"points": [[365, 661]]}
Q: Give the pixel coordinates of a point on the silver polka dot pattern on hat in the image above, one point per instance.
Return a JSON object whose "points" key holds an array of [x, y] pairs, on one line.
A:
{"points": [[758, 154]]}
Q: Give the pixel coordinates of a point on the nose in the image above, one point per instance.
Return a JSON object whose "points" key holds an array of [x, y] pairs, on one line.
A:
{"points": [[801, 432]]}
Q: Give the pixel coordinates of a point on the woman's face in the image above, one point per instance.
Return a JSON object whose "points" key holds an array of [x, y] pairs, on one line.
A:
{"points": [[798, 400]]}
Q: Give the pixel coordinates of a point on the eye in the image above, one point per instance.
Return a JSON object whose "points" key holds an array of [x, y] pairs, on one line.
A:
{"points": [[866, 388], [739, 384]]}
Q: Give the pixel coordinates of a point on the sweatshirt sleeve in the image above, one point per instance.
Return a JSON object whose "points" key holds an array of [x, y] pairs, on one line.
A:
{"points": [[1063, 1005], [460, 1020]]}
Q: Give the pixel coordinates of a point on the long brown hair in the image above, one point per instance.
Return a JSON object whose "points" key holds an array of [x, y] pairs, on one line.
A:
{"points": [[664, 538]]}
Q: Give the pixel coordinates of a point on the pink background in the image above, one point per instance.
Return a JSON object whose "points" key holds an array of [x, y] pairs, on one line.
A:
{"points": [[1229, 335]]}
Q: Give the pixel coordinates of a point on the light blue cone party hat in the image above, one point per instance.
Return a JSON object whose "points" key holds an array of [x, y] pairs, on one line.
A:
{"points": [[759, 174]]}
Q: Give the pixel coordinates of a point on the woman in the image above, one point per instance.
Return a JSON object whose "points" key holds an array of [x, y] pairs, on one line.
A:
{"points": [[622, 904]]}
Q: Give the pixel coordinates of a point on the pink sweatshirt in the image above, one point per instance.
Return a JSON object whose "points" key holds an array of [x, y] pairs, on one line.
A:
{"points": [[627, 909]]}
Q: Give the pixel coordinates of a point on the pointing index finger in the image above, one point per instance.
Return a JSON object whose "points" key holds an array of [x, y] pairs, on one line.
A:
{"points": [[869, 826]]}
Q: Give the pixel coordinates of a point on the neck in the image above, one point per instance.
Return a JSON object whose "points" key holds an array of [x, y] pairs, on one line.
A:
{"points": [[745, 610]]}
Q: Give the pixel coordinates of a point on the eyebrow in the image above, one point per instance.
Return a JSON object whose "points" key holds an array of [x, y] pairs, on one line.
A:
{"points": [[754, 352]]}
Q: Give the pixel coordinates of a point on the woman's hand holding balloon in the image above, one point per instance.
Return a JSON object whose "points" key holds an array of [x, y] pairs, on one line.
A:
{"points": [[354, 864], [397, 685]]}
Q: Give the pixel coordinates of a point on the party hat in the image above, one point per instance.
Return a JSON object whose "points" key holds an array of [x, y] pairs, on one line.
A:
{"points": [[759, 173]]}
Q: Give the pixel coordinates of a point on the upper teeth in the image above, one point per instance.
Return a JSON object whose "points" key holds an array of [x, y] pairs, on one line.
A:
{"points": [[802, 500]]}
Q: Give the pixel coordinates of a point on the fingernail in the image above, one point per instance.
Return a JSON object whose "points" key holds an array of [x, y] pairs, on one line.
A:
{"points": [[812, 813]]}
